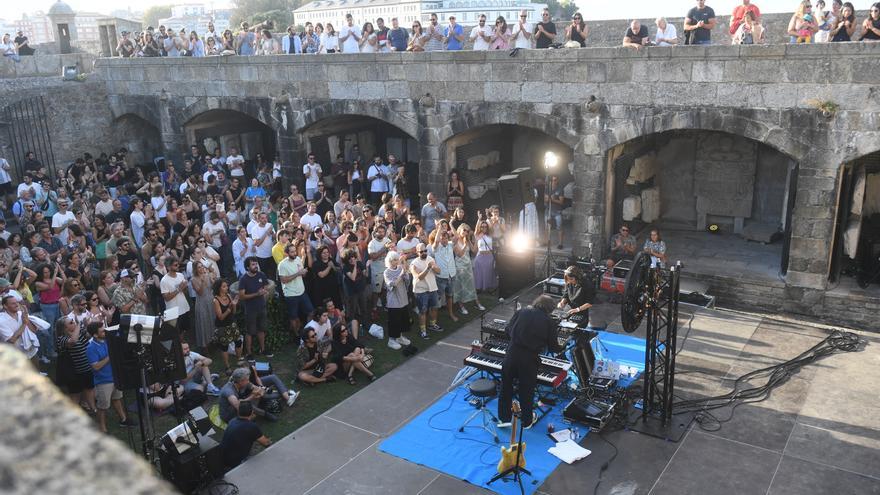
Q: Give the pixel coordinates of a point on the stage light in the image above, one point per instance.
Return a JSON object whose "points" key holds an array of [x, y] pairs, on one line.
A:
{"points": [[519, 243], [550, 160]]}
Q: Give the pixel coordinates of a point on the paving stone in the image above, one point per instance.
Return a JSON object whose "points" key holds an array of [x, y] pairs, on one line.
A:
{"points": [[375, 472], [857, 450], [294, 464], [444, 485], [799, 477], [709, 464]]}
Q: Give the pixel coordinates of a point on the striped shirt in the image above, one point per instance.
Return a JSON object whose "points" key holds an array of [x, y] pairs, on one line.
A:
{"points": [[77, 352]]}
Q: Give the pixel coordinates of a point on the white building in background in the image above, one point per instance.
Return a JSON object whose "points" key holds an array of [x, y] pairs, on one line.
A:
{"points": [[406, 11], [37, 27], [195, 17]]}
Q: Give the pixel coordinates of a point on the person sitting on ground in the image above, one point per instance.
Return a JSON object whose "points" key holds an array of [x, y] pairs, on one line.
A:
{"points": [[240, 435], [623, 247], [313, 365], [350, 355], [159, 396], [198, 373], [240, 389], [270, 382]]}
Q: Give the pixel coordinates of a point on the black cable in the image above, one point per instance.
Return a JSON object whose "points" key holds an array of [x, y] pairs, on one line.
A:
{"points": [[606, 464], [776, 375], [686, 334]]}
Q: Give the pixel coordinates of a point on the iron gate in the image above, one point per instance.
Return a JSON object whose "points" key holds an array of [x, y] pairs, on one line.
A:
{"points": [[27, 130]]}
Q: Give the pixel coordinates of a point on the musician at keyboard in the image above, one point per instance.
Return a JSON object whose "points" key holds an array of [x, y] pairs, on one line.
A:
{"points": [[577, 295], [531, 330]]}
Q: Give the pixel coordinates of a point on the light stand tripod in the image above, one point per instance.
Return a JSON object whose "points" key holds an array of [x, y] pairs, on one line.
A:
{"points": [[145, 419]]}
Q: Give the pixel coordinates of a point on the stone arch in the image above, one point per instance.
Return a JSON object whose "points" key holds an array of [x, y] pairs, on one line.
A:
{"points": [[260, 110], [144, 108], [139, 135], [745, 123], [378, 110], [229, 128], [482, 116]]}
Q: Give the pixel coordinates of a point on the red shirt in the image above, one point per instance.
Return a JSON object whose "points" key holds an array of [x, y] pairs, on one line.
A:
{"points": [[739, 14]]}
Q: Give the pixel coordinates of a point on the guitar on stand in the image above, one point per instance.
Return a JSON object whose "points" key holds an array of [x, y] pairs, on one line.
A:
{"points": [[513, 459]]}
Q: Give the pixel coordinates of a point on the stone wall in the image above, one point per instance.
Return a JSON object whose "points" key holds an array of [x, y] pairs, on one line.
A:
{"points": [[45, 65]]}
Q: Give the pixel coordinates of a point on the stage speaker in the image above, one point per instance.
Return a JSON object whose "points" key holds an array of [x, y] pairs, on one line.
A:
{"points": [[194, 468], [160, 352], [510, 193], [516, 270]]}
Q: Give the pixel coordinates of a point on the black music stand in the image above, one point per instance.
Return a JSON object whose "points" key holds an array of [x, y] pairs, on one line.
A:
{"points": [[515, 470]]}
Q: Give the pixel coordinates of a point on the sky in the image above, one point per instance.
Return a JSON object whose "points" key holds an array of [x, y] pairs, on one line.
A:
{"points": [[592, 9]]}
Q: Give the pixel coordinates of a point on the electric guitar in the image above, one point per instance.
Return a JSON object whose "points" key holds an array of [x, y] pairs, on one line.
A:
{"points": [[509, 454]]}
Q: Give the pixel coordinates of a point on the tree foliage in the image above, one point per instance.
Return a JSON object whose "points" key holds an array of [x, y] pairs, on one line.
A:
{"points": [[561, 9], [279, 12], [153, 14]]}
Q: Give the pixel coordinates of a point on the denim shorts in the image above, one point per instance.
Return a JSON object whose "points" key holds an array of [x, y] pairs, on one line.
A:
{"points": [[426, 301], [444, 287]]}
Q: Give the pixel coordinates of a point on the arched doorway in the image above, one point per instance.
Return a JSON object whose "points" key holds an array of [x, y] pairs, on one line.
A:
{"points": [[485, 158], [141, 138], [227, 129], [856, 252], [348, 137], [722, 202]]}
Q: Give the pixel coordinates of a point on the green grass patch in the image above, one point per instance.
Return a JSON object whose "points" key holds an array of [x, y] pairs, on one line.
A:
{"points": [[313, 401]]}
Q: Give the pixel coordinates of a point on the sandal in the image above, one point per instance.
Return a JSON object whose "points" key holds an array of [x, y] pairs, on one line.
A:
{"points": [[352, 381], [373, 378]]}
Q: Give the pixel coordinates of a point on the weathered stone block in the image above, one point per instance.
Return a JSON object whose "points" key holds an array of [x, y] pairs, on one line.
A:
{"points": [[536, 92], [501, 91], [342, 90]]}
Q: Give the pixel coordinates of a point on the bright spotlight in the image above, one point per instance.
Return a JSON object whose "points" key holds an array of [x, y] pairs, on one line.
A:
{"points": [[519, 243], [550, 159]]}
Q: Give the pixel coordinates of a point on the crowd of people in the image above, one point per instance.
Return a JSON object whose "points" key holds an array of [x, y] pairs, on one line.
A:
{"points": [[215, 239]]}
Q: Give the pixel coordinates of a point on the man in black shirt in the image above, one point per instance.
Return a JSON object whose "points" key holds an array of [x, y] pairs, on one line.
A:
{"points": [[699, 23], [531, 330], [578, 294], [636, 35], [21, 41], [545, 31], [240, 435]]}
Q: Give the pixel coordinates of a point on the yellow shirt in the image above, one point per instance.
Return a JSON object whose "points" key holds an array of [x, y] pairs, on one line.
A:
{"points": [[278, 252]]}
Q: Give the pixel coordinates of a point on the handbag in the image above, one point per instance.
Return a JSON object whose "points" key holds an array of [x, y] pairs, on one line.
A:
{"points": [[318, 372]]}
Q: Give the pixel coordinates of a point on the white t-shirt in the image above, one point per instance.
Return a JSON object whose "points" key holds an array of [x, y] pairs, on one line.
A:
{"points": [[38, 189], [208, 174], [264, 250], [377, 266], [60, 219], [104, 207], [4, 171], [289, 267], [8, 325], [520, 40], [313, 175], [404, 245], [350, 45], [170, 284], [237, 257], [158, 201], [235, 164], [427, 284], [215, 230], [321, 331], [667, 34], [479, 43], [377, 183], [311, 220]]}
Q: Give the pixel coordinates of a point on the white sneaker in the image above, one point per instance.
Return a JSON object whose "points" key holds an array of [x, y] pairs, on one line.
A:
{"points": [[403, 340], [394, 344], [212, 390], [463, 310], [481, 307], [291, 398]]}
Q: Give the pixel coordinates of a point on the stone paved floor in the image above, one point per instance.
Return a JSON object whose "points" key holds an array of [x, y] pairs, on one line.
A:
{"points": [[818, 433], [723, 254]]}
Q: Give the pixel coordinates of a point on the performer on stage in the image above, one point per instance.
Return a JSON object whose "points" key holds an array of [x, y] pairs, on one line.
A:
{"points": [[578, 294], [530, 330]]}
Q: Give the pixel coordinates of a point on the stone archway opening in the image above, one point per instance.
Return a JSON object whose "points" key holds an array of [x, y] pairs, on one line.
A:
{"points": [[723, 203], [141, 138], [359, 137], [486, 156], [856, 251], [227, 129]]}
